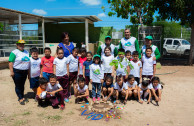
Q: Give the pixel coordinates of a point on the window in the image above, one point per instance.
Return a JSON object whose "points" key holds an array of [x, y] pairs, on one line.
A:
{"points": [[176, 42], [185, 42], [169, 42]]}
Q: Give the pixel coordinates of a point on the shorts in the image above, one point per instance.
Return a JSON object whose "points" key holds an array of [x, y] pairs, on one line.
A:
{"points": [[80, 76], [137, 80], [34, 82], [72, 76], [46, 75]]}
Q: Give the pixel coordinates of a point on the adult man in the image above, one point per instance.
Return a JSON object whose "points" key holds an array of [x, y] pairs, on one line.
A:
{"points": [[129, 43]]}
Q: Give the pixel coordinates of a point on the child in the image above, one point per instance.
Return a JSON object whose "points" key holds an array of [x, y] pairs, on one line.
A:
{"points": [[106, 60], [120, 89], [81, 60], [82, 91], [55, 92], [148, 43], [107, 88], [122, 66], [132, 86], [61, 69], [156, 88], [41, 93], [149, 65], [144, 90], [47, 64], [96, 77], [128, 55], [73, 69], [34, 71], [86, 67], [137, 67]]}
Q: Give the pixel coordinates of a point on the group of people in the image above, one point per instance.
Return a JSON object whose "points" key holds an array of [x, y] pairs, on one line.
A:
{"points": [[51, 77]]}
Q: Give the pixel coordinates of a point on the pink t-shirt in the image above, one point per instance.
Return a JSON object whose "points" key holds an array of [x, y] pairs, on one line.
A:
{"points": [[47, 64], [81, 61]]}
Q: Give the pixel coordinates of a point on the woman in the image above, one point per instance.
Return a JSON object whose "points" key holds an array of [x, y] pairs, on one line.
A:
{"points": [[19, 62], [65, 44]]}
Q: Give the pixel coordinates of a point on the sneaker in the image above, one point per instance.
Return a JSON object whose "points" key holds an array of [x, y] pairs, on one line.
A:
{"points": [[98, 99], [22, 103], [66, 100], [145, 100], [62, 107], [94, 99]]}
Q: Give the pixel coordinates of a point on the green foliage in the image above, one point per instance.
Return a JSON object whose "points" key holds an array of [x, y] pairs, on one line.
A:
{"points": [[1, 26], [139, 11]]}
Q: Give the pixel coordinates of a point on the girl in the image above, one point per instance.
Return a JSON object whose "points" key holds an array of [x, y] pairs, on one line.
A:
{"points": [[81, 60], [82, 91], [61, 69], [73, 69], [144, 90], [120, 89], [156, 88], [107, 88], [132, 86], [86, 67], [96, 77], [106, 60]]}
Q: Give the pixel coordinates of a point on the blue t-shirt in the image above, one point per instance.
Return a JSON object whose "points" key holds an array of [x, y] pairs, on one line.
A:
{"points": [[107, 86], [87, 68], [67, 49]]}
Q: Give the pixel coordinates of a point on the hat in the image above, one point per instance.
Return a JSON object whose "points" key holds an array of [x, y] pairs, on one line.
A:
{"points": [[149, 37], [96, 56], [107, 37], [20, 41], [43, 95]]}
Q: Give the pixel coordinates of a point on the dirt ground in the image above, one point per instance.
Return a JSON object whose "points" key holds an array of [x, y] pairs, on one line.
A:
{"points": [[175, 109]]}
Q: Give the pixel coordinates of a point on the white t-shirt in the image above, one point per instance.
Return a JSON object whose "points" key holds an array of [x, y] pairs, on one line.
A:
{"points": [[96, 73], [61, 66], [128, 44], [35, 67], [82, 90], [103, 47], [136, 68], [73, 63], [133, 85], [148, 87], [51, 88], [22, 60], [153, 50], [83, 46], [117, 87], [148, 65], [106, 60], [156, 87], [124, 64]]}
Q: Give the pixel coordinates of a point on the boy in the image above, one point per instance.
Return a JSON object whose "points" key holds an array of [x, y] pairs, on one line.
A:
{"points": [[55, 92], [137, 67], [34, 71], [40, 95], [149, 65], [81, 92], [144, 89], [122, 67], [128, 55], [47, 64]]}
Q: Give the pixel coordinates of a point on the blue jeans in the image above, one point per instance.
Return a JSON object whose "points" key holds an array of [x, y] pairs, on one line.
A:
{"points": [[19, 79], [94, 86], [46, 75]]}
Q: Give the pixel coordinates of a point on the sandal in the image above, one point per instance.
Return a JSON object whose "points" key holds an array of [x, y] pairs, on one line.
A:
{"points": [[22, 102], [26, 100]]}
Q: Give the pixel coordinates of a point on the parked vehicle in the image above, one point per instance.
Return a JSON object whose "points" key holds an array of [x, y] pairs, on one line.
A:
{"points": [[176, 46]]}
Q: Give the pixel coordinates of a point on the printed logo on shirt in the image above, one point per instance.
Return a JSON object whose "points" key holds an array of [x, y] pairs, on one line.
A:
{"points": [[34, 65], [128, 44], [25, 59], [47, 63], [138, 64], [97, 72]]}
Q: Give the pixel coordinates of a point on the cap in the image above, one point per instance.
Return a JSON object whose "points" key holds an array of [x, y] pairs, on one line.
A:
{"points": [[21, 41], [149, 37], [107, 37], [96, 56]]}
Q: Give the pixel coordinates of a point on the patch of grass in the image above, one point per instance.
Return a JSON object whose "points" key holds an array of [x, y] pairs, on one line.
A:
{"points": [[158, 66], [55, 117], [19, 122], [10, 118], [70, 113], [26, 113]]}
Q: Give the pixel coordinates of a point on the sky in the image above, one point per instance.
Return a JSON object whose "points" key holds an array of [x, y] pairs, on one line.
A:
{"points": [[68, 7]]}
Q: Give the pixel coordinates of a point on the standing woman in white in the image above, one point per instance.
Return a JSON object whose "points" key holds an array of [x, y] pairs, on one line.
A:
{"points": [[19, 63], [129, 43]]}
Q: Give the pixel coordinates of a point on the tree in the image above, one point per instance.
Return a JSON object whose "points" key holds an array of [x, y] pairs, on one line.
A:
{"points": [[178, 10]]}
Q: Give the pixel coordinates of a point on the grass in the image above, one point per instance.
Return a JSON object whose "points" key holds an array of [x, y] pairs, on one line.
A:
{"points": [[26, 113], [55, 117], [70, 113], [19, 122], [158, 66]]}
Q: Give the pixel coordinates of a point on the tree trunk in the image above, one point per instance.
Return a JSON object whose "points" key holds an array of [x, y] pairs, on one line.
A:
{"points": [[192, 45]]}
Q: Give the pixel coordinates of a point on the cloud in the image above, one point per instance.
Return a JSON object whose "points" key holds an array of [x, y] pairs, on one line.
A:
{"points": [[102, 15], [91, 2], [39, 11]]}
